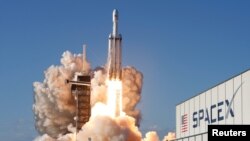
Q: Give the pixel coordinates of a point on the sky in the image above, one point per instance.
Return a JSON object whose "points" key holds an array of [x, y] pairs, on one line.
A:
{"points": [[181, 47]]}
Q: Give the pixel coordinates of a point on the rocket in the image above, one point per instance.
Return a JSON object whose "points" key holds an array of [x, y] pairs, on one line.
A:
{"points": [[114, 61]]}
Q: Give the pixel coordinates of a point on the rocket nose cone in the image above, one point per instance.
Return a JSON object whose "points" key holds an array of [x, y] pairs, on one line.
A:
{"points": [[115, 12], [115, 15]]}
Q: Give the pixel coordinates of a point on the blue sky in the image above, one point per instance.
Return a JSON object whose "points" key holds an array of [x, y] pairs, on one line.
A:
{"points": [[181, 47]]}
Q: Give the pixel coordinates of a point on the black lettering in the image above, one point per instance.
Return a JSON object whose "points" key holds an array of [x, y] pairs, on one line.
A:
{"points": [[220, 117], [211, 112], [207, 117], [201, 115], [229, 108], [195, 120]]}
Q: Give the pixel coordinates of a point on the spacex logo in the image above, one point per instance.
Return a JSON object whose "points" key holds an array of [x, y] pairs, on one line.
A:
{"points": [[206, 114]]}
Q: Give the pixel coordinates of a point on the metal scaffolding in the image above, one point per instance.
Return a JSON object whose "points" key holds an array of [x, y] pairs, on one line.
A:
{"points": [[81, 91]]}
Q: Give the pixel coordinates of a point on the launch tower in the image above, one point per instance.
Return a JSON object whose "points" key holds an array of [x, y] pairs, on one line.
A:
{"points": [[80, 88]]}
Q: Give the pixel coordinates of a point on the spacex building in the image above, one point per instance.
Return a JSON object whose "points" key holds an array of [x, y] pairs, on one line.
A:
{"points": [[225, 103]]}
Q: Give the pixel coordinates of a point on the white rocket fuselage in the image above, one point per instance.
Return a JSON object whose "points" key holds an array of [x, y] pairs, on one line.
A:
{"points": [[114, 65]]}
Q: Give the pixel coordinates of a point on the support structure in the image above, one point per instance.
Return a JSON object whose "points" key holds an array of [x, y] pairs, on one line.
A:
{"points": [[81, 91]]}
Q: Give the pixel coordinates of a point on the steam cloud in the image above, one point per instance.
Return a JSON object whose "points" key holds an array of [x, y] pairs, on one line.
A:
{"points": [[54, 106]]}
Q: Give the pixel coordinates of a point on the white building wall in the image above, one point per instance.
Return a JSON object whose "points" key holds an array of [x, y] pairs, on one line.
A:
{"points": [[190, 116], [198, 138], [213, 112], [192, 139], [237, 100], [197, 108], [203, 106], [222, 93], [246, 97], [208, 104], [188, 120], [221, 99], [182, 113], [178, 121], [229, 95]]}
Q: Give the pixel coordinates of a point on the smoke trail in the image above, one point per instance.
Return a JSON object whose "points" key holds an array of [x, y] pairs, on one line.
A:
{"points": [[54, 105]]}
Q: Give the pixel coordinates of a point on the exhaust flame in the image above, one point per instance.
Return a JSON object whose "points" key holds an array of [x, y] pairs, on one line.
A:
{"points": [[114, 101]]}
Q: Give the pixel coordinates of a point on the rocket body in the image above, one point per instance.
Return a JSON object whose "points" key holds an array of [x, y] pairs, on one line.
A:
{"points": [[114, 65]]}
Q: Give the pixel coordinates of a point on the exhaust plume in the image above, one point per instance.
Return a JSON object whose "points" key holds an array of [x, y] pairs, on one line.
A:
{"points": [[54, 106]]}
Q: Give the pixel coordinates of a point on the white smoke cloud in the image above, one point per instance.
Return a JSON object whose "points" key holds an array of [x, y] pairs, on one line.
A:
{"points": [[98, 87], [169, 137], [105, 128], [44, 137], [54, 106], [151, 136]]}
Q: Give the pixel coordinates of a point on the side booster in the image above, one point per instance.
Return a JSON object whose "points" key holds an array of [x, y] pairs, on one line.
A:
{"points": [[114, 51]]}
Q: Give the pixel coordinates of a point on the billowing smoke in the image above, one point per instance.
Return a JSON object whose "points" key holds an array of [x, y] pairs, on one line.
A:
{"points": [[151, 136], [132, 85], [54, 106], [169, 137]]}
